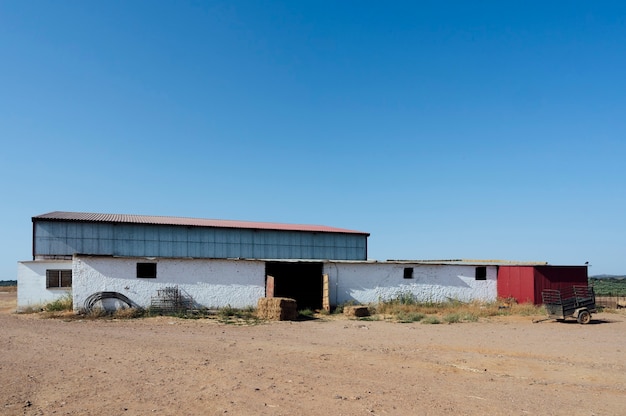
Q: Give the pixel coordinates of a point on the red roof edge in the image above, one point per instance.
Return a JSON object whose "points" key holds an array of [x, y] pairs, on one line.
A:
{"points": [[189, 222]]}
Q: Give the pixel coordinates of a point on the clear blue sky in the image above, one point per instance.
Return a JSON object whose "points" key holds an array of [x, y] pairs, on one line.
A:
{"points": [[483, 130]]}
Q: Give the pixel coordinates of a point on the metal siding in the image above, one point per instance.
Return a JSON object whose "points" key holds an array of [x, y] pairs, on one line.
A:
{"points": [[89, 240], [558, 277], [146, 240], [306, 247], [179, 237], [207, 238], [257, 245], [73, 238], [194, 244], [233, 244], [119, 247], [41, 238], [341, 253], [517, 282], [166, 248]]}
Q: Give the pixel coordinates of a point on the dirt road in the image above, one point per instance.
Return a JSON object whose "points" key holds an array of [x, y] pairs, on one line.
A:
{"points": [[169, 366]]}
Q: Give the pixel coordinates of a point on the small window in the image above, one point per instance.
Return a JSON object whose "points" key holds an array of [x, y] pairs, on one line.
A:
{"points": [[481, 273], [58, 278], [147, 270], [408, 272]]}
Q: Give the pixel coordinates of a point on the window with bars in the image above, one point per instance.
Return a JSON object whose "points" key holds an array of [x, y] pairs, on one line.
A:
{"points": [[58, 278]]}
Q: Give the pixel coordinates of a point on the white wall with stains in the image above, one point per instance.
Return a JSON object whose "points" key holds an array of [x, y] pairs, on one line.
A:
{"points": [[211, 283], [219, 283], [31, 283], [373, 282]]}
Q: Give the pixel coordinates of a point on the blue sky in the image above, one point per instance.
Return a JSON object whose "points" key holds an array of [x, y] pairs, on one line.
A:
{"points": [[482, 130]]}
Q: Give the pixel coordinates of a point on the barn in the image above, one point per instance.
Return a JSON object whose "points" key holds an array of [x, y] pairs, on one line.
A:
{"points": [[524, 283], [218, 263]]}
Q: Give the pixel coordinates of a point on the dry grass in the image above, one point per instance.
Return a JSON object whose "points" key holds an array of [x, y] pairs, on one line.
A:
{"points": [[8, 289], [64, 315], [405, 309], [128, 313]]}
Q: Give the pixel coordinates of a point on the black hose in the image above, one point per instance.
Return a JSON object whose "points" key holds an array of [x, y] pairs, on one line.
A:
{"points": [[91, 301]]}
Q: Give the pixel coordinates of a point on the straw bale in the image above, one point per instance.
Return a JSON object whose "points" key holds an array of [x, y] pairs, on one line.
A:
{"points": [[277, 309], [356, 311]]}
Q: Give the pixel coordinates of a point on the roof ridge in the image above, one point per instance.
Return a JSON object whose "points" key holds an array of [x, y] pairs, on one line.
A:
{"points": [[187, 221]]}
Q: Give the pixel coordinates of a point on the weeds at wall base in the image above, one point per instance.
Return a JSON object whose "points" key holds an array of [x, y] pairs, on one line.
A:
{"points": [[64, 303], [406, 309]]}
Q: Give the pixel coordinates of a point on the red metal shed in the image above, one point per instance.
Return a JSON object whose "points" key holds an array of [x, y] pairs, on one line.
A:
{"points": [[525, 283]]}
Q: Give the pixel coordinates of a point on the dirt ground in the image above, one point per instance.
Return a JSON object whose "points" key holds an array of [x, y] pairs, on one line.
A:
{"points": [[170, 366]]}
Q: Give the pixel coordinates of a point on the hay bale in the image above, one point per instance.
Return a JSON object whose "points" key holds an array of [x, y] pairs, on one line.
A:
{"points": [[277, 309], [357, 311]]}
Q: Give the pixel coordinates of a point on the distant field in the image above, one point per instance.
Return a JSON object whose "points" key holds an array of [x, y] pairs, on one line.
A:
{"points": [[611, 286]]}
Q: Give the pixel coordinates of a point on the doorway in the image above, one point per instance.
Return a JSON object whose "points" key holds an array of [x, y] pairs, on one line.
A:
{"points": [[301, 281]]}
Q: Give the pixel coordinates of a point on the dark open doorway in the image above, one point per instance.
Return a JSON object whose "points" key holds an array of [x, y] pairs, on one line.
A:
{"points": [[301, 281]]}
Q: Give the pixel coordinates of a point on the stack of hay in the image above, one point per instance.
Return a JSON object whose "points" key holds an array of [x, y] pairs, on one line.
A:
{"points": [[357, 311], [277, 309]]}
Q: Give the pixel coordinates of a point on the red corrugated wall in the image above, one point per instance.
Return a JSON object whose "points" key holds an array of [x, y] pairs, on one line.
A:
{"points": [[516, 282], [525, 283], [558, 277]]}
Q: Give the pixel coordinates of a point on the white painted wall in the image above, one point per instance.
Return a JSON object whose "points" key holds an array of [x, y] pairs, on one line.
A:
{"points": [[211, 283], [373, 282], [240, 283], [31, 283]]}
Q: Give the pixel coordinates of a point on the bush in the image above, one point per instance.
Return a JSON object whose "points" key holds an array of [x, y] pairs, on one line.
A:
{"points": [[306, 312], [406, 317], [452, 318], [404, 298], [229, 315], [431, 320], [64, 303], [469, 317]]}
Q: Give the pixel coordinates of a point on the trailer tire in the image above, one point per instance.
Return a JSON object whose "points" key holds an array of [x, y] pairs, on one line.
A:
{"points": [[584, 317]]}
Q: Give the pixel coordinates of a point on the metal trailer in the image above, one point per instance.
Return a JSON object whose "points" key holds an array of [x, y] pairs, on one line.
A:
{"points": [[573, 302]]}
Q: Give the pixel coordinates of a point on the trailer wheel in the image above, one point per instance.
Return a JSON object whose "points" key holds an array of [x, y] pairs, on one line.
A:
{"points": [[584, 317]]}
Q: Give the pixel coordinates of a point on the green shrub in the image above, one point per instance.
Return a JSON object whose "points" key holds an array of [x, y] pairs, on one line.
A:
{"points": [[431, 320], [230, 315], [469, 317], [406, 317], [64, 303], [452, 318], [306, 312]]}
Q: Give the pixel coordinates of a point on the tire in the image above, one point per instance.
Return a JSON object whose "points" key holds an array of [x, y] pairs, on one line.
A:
{"points": [[584, 317]]}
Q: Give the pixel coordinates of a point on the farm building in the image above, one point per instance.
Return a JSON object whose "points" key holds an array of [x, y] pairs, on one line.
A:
{"points": [[217, 263], [525, 283]]}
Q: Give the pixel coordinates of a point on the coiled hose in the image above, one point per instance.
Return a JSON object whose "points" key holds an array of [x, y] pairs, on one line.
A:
{"points": [[91, 301]]}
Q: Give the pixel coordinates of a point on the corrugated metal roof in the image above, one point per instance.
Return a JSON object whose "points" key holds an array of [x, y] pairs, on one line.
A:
{"points": [[190, 222], [474, 262]]}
